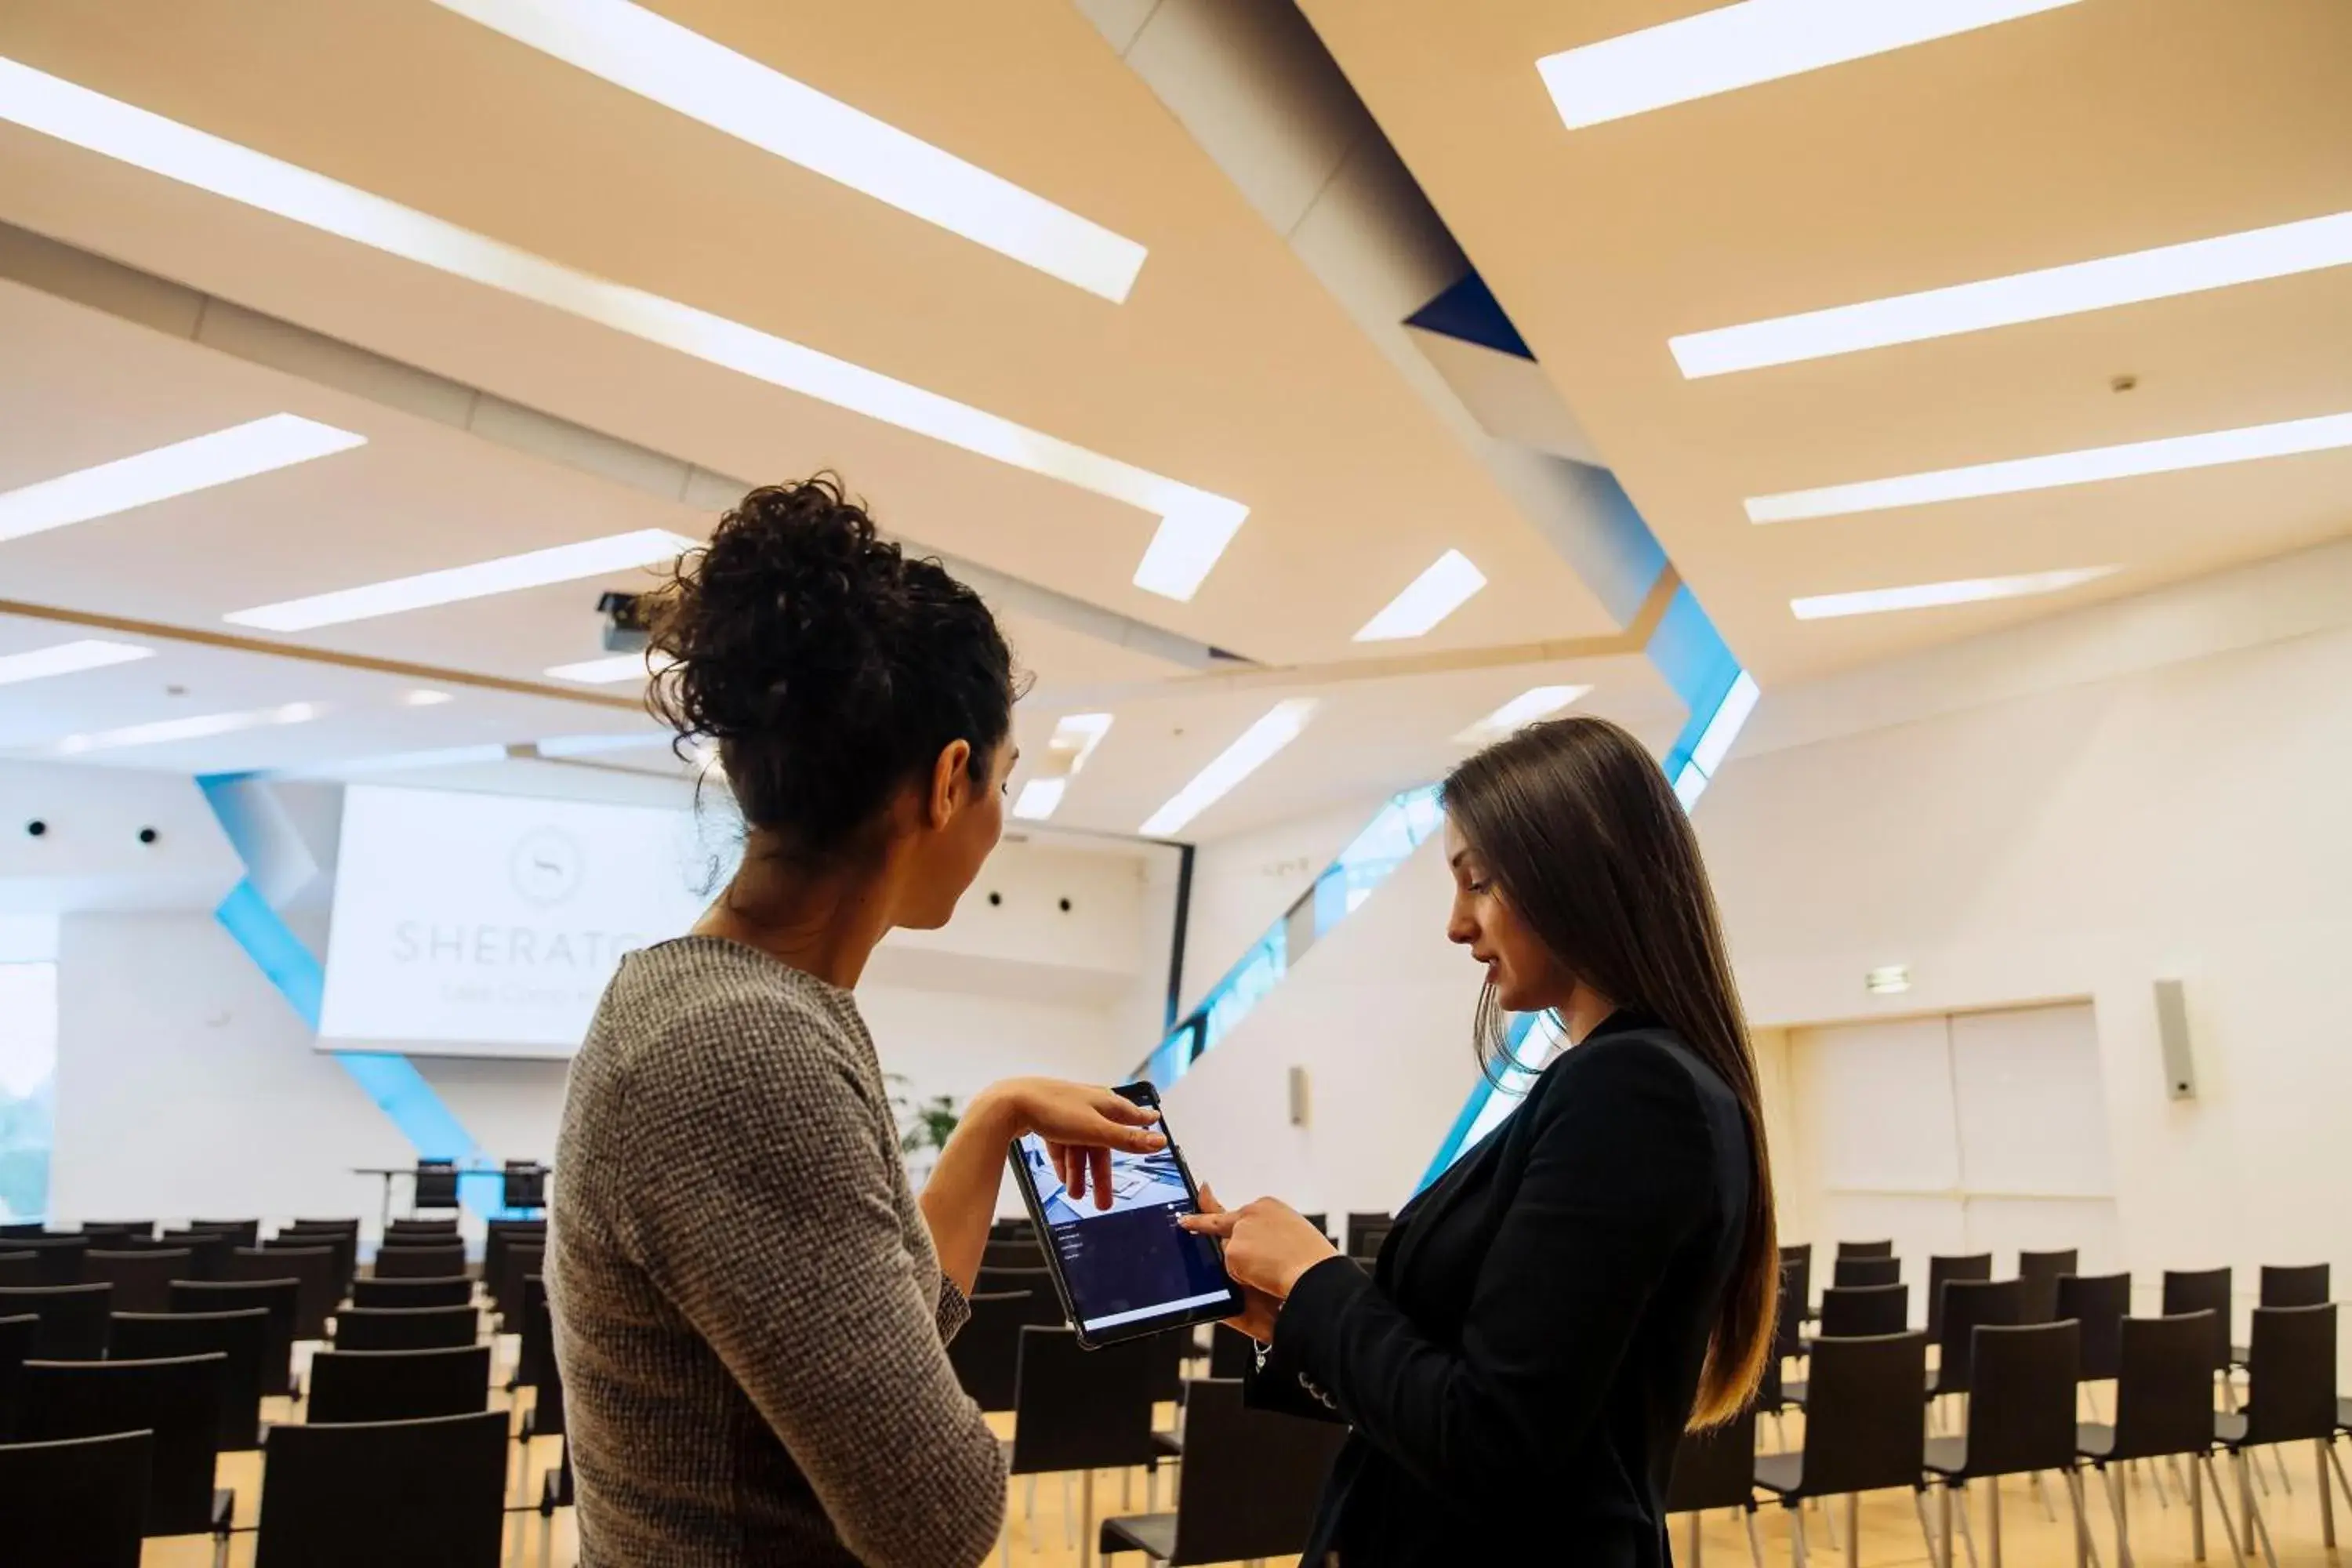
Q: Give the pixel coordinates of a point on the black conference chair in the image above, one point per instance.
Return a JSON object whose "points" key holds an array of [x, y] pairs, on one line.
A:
{"points": [[442, 1229], [2042, 1272], [1789, 1328], [177, 1400], [1251, 1484], [207, 1250], [986, 1351], [2296, 1285], [997, 1279], [1865, 1249], [19, 1268], [398, 1386], [78, 1503], [1012, 1254], [16, 1228], [241, 1338], [2020, 1421], [343, 1245], [456, 1290], [385, 1494], [1170, 1350], [1797, 1279], [141, 1280], [523, 1185], [1942, 1271], [2099, 1302], [1080, 1410], [1865, 1311], [1367, 1233], [312, 1269], [1862, 1432], [1321, 1221], [516, 1259], [535, 1356], [1970, 1304], [73, 1318], [1717, 1468], [2290, 1397], [16, 1346], [545, 1416], [56, 1259], [1862, 1273], [435, 1185], [341, 1225], [247, 1232], [1231, 1353], [2202, 1290], [406, 1327], [114, 1231], [275, 1297], [2164, 1408], [433, 1262]]}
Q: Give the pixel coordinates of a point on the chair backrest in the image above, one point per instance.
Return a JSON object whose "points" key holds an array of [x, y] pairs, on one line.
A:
{"points": [[535, 1357], [56, 1259], [998, 1279], [456, 1290], [385, 1494], [247, 1232], [1170, 1348], [241, 1338], [1862, 1430], [17, 1267], [1320, 1221], [114, 1230], [1787, 1329], [275, 1297], [15, 1344], [141, 1280], [1865, 1249], [312, 1269], [399, 1385], [1012, 1254], [1970, 1304], [437, 1260], [177, 1399], [1231, 1353], [2021, 1411], [1797, 1278], [442, 1229], [2164, 1386], [22, 1228], [1865, 1312], [516, 1259], [2295, 1285], [73, 1318], [2201, 1290], [1941, 1271], [2098, 1303], [1366, 1232], [1251, 1477], [546, 1417], [2291, 1374], [504, 1236], [82, 1502], [986, 1351], [436, 1185], [1859, 1273], [207, 1250], [523, 1185], [405, 1328], [2042, 1272], [1076, 1409], [342, 1243], [346, 1226], [1714, 1468]]}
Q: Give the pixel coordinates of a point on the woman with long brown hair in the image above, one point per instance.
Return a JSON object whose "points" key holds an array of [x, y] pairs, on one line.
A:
{"points": [[1600, 1271]]}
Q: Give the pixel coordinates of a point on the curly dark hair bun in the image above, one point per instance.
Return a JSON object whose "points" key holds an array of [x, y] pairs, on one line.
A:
{"points": [[830, 668]]}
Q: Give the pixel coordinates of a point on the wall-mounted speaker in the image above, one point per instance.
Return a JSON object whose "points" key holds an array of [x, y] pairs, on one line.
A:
{"points": [[2172, 1030], [1298, 1097]]}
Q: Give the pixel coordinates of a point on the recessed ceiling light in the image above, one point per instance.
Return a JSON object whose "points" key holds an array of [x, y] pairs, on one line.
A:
{"points": [[613, 669], [1258, 746], [2170, 455], [67, 658], [1739, 45], [1039, 798], [1537, 703], [199, 463], [507, 575], [426, 698], [1195, 525], [593, 745], [2160, 273], [654, 57], [1887, 980], [196, 727], [389, 761], [1928, 596], [1428, 599], [1075, 736]]}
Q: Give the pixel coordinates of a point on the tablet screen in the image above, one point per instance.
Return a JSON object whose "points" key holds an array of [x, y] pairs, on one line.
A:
{"points": [[1129, 1262]]}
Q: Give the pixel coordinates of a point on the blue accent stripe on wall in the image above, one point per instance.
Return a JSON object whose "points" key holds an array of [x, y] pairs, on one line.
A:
{"points": [[390, 1079]]}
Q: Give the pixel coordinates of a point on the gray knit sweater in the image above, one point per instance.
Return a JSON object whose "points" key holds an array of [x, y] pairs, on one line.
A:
{"points": [[750, 1318]]}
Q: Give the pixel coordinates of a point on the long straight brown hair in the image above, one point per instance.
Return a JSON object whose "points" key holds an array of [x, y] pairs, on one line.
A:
{"points": [[1590, 848]]}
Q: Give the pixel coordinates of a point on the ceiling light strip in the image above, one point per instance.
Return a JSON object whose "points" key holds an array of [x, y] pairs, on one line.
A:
{"points": [[2171, 454], [1257, 747], [1535, 703], [680, 69], [507, 575], [1448, 585], [196, 727], [612, 671], [1932, 596], [68, 659], [184, 467], [2142, 275], [1195, 525], [1756, 41]]}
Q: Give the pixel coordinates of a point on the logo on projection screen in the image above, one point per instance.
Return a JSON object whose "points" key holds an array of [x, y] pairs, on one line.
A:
{"points": [[546, 867]]}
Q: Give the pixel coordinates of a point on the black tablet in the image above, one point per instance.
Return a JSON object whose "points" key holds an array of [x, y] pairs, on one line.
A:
{"points": [[1128, 1270]]}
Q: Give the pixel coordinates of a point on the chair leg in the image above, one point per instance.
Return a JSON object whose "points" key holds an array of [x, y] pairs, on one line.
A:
{"points": [[2328, 1451], [2258, 1529], [1755, 1537], [1797, 1533], [1992, 1519], [1828, 1522], [1697, 1546], [1967, 1531], [2222, 1506], [1086, 1522], [1927, 1530], [2196, 1492], [2041, 1492], [1854, 1530], [2123, 1517], [2086, 1551], [2319, 1448], [1944, 1512]]}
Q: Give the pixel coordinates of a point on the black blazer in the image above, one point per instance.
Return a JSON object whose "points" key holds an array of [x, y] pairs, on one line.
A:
{"points": [[1518, 1365]]}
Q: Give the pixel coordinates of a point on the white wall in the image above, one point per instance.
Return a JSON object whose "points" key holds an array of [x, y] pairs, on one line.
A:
{"points": [[1242, 885]]}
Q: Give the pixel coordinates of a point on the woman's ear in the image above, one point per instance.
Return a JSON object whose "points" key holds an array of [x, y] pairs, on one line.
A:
{"points": [[951, 783]]}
